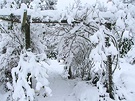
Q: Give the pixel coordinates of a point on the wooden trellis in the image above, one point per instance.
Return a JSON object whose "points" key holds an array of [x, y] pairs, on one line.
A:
{"points": [[16, 19], [25, 26], [26, 21]]}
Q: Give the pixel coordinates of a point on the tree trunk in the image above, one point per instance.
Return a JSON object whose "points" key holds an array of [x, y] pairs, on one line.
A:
{"points": [[109, 72], [110, 82], [70, 73]]}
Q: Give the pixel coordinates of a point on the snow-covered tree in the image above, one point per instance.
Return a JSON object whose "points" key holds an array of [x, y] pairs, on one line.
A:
{"points": [[30, 64], [8, 4], [43, 4]]}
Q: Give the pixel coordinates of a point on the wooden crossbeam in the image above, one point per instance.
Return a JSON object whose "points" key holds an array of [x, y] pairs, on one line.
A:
{"points": [[17, 18]]}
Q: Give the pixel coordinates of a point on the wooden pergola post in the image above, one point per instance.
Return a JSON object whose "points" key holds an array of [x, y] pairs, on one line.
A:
{"points": [[26, 29], [109, 72]]}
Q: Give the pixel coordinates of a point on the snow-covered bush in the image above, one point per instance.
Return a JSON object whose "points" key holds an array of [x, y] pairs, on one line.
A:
{"points": [[130, 57], [46, 40], [8, 4], [74, 49], [40, 4], [125, 46], [43, 4], [29, 72], [11, 44]]}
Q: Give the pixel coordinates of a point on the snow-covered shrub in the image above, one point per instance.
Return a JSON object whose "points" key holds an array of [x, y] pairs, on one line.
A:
{"points": [[74, 49], [46, 40], [11, 44], [43, 4], [125, 46], [28, 73], [130, 57], [40, 4]]}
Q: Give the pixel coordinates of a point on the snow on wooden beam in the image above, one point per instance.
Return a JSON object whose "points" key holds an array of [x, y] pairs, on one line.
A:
{"points": [[49, 16], [17, 18]]}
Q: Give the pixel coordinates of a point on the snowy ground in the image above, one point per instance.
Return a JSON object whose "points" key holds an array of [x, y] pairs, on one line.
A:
{"points": [[124, 79], [61, 88], [68, 90], [76, 90]]}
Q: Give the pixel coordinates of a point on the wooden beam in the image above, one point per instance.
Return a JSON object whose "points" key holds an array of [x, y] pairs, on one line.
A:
{"points": [[17, 18], [26, 30], [24, 18]]}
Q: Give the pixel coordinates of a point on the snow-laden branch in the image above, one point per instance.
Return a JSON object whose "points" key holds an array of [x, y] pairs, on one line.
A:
{"points": [[30, 64]]}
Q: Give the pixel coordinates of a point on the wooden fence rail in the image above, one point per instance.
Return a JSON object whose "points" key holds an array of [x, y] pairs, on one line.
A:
{"points": [[17, 19]]}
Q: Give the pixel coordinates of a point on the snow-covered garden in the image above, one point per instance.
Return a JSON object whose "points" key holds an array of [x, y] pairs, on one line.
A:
{"points": [[73, 50]]}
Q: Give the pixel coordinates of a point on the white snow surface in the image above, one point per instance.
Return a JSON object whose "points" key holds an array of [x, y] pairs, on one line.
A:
{"points": [[61, 13], [124, 80], [77, 90]]}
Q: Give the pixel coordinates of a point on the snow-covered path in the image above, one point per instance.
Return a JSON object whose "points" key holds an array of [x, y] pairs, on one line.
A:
{"points": [[61, 88], [78, 90]]}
